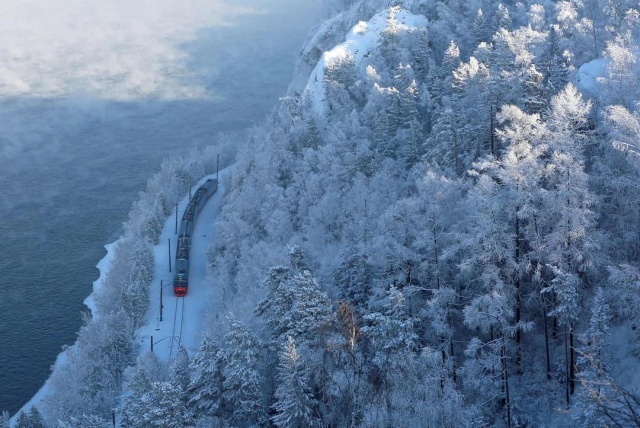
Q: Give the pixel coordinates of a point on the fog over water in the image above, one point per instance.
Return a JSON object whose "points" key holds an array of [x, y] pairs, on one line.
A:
{"points": [[93, 95]]}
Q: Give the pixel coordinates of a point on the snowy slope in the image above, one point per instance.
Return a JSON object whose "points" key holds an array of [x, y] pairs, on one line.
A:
{"points": [[588, 75], [363, 39]]}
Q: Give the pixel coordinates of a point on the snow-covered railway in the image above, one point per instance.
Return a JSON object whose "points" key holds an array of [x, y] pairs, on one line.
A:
{"points": [[190, 318], [183, 246], [178, 322]]}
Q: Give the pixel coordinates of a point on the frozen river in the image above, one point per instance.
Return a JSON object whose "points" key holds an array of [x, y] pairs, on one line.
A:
{"points": [[86, 117]]}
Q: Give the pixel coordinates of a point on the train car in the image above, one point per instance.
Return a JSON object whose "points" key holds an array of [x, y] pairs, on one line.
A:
{"points": [[181, 280], [188, 212], [183, 247], [186, 228]]}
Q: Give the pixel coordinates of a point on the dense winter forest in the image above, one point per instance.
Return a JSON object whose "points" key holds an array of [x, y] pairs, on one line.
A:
{"points": [[439, 226]]}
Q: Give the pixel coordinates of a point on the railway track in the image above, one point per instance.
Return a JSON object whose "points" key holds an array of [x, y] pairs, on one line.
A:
{"points": [[178, 321]]}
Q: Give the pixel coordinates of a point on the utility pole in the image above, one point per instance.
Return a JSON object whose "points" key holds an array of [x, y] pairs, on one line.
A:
{"points": [[152, 344], [189, 188], [169, 255], [217, 166], [176, 218], [161, 300]]}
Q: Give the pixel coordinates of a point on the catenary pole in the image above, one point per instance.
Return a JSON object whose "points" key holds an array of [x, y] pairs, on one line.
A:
{"points": [[169, 255]]}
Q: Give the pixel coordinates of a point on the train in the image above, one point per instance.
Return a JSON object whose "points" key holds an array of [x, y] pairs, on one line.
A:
{"points": [[183, 246]]}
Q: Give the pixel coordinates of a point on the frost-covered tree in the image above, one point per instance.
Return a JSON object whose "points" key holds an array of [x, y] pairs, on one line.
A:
{"points": [[591, 358], [569, 239], [294, 306], [243, 381], [621, 81], [206, 388], [160, 407], [148, 370], [31, 420], [179, 373], [85, 421], [625, 135], [295, 405], [480, 28], [5, 419], [391, 335]]}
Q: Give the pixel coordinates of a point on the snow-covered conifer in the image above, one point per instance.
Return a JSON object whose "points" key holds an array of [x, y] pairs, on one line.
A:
{"points": [[160, 407], [295, 405], [479, 28], [206, 388], [85, 421], [179, 373], [31, 420], [243, 382], [591, 359]]}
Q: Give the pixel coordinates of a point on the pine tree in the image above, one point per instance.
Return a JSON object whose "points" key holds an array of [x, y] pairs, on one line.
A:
{"points": [[206, 388], [32, 420], [179, 374], [312, 139], [243, 382], [295, 306], [423, 56], [554, 66], [85, 421], [295, 405], [569, 220], [22, 421], [479, 28], [354, 276], [148, 370], [409, 105], [502, 19], [160, 408], [451, 59], [591, 360], [389, 39], [391, 335]]}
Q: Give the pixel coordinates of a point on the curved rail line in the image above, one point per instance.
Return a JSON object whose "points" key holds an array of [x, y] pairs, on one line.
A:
{"points": [[175, 323]]}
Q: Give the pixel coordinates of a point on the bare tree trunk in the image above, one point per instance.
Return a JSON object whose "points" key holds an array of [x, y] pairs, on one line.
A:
{"points": [[492, 134], [505, 377], [566, 366], [518, 298], [456, 150], [572, 361], [546, 337], [453, 360]]}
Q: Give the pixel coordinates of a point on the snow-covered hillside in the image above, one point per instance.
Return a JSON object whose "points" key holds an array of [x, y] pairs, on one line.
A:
{"points": [[439, 232], [361, 42]]}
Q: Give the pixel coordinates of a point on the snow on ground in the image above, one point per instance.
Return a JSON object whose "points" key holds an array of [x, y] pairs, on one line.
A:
{"points": [[187, 328], [625, 367], [360, 42], [588, 74], [104, 265]]}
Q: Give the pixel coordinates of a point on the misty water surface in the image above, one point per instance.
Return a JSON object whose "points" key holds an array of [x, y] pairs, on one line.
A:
{"points": [[78, 143]]}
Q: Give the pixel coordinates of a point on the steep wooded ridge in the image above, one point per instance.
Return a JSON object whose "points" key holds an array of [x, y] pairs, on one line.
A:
{"points": [[434, 228], [461, 223]]}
